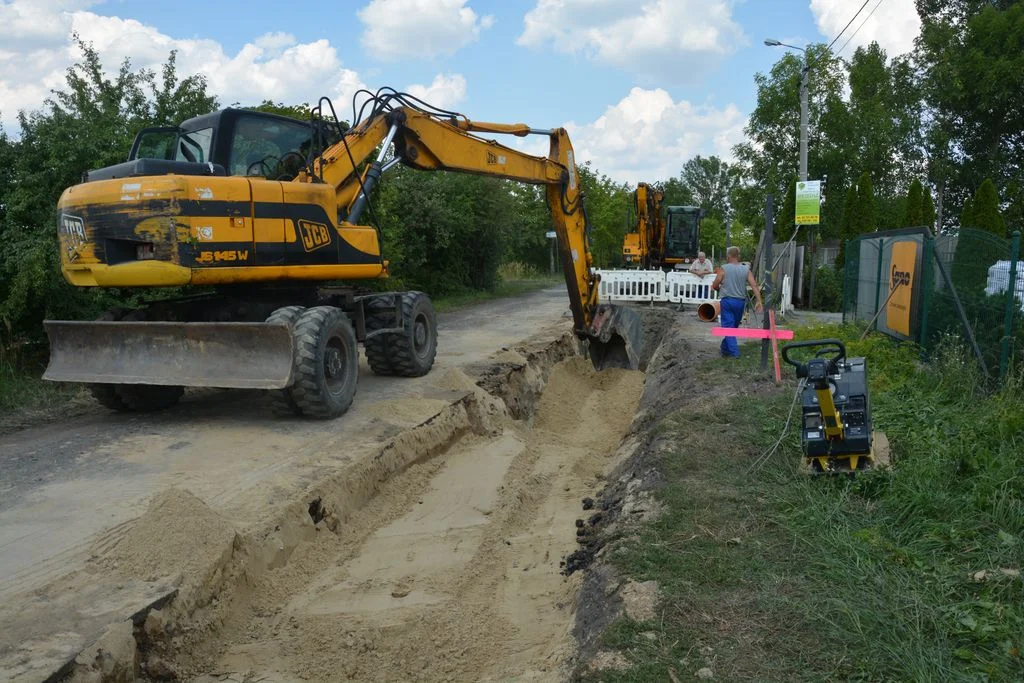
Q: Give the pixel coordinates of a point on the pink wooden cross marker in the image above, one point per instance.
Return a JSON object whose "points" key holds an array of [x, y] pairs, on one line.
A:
{"points": [[773, 333], [751, 333]]}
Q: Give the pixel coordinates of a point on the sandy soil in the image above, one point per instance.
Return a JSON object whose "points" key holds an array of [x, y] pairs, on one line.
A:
{"points": [[420, 537], [69, 492], [455, 573]]}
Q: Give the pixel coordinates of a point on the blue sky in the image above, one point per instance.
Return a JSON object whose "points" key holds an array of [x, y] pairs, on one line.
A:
{"points": [[641, 85]]}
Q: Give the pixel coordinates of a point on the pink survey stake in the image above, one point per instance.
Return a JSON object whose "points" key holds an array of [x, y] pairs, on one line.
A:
{"points": [[751, 333]]}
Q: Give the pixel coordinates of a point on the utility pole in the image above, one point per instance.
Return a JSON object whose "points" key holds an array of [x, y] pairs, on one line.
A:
{"points": [[805, 76]]}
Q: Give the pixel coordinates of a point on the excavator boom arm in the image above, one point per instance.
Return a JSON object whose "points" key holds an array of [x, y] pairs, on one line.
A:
{"points": [[430, 143]]}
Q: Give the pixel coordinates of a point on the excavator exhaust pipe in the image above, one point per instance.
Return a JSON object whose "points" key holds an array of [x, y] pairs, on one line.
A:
{"points": [[228, 355], [616, 338]]}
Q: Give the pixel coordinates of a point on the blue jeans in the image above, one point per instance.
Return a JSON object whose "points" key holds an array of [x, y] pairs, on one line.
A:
{"points": [[732, 314]]}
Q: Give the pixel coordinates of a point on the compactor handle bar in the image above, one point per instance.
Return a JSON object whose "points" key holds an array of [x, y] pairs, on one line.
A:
{"points": [[833, 349]]}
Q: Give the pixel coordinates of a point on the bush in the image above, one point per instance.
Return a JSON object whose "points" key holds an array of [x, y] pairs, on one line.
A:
{"points": [[828, 290]]}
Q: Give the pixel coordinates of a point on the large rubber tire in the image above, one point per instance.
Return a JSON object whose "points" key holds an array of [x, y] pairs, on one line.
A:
{"points": [[326, 362], [145, 398], [106, 395], [379, 314], [281, 401], [412, 352]]}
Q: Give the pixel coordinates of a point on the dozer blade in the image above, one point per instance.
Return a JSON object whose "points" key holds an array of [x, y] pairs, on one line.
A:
{"points": [[230, 355], [616, 338]]}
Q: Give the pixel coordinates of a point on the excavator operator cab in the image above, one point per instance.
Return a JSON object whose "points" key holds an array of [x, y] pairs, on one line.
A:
{"points": [[682, 235], [229, 142]]}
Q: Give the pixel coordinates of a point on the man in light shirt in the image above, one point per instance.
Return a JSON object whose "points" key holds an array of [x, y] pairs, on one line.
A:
{"points": [[702, 267]]}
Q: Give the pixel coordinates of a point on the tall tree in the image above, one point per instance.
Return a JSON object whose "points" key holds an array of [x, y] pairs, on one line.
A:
{"points": [[985, 210], [927, 208], [785, 219], [913, 207], [885, 114], [863, 220], [677, 193], [970, 55], [711, 181], [967, 214], [89, 123], [846, 229], [769, 156]]}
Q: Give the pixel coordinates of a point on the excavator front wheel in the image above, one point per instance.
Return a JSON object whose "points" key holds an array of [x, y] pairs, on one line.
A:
{"points": [[281, 400], [326, 362]]}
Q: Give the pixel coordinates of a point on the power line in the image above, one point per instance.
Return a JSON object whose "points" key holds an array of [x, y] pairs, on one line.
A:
{"points": [[847, 25], [840, 50]]}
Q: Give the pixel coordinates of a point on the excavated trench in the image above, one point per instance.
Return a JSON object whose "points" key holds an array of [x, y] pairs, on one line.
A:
{"points": [[441, 557]]}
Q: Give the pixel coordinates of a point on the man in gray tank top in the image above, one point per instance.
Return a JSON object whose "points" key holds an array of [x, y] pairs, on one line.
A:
{"points": [[731, 283]]}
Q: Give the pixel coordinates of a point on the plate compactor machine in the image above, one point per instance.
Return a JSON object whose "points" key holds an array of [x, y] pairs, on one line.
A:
{"points": [[267, 215], [836, 412]]}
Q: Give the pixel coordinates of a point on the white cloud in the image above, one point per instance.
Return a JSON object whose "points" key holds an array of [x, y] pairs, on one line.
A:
{"points": [[895, 24], [36, 48], [445, 91], [674, 40], [419, 28], [648, 136]]}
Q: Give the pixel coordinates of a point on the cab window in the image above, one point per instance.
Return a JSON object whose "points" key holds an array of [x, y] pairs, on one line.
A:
{"points": [[269, 148], [175, 145]]}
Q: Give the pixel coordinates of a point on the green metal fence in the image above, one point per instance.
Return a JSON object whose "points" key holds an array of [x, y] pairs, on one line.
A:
{"points": [[968, 284]]}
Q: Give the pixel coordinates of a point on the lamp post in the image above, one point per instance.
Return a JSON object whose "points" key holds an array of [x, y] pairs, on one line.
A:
{"points": [[804, 78]]}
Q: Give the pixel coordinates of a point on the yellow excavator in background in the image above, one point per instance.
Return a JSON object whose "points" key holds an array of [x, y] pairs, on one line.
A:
{"points": [[642, 247], [666, 237], [268, 212]]}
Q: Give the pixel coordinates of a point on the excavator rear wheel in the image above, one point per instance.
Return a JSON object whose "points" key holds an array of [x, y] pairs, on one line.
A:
{"points": [[326, 362], [106, 395], [411, 352], [379, 315], [281, 399], [145, 398], [133, 398]]}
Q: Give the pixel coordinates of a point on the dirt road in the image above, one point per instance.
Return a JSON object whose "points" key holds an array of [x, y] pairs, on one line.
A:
{"points": [[70, 492]]}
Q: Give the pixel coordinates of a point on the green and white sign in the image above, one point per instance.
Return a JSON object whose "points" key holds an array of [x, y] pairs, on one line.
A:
{"points": [[808, 202]]}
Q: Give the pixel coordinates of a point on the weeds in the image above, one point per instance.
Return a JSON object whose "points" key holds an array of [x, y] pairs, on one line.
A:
{"points": [[912, 573]]}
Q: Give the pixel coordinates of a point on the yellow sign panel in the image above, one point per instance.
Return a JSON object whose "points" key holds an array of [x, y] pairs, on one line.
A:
{"points": [[808, 202], [901, 286]]}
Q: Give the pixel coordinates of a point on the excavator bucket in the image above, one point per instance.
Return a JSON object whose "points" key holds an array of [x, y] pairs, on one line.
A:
{"points": [[616, 338], [230, 355]]}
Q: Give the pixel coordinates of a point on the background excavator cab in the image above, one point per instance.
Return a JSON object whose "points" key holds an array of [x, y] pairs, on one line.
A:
{"points": [[682, 234]]}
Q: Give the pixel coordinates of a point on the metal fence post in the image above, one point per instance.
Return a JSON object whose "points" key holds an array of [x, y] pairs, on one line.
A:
{"points": [[1011, 304], [926, 293], [846, 277], [769, 227], [878, 280]]}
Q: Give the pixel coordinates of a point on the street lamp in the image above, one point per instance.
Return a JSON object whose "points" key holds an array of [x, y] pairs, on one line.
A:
{"points": [[804, 78]]}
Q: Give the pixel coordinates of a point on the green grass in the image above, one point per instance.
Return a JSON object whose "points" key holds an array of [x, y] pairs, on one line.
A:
{"points": [[25, 396], [776, 575], [505, 288]]}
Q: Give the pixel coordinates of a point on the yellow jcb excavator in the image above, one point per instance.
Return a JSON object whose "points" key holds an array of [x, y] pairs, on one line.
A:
{"points": [[268, 212], [641, 248], [665, 237]]}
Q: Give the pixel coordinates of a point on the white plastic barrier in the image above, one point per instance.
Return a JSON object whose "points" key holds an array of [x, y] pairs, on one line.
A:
{"points": [[684, 288], [999, 280], [631, 285]]}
